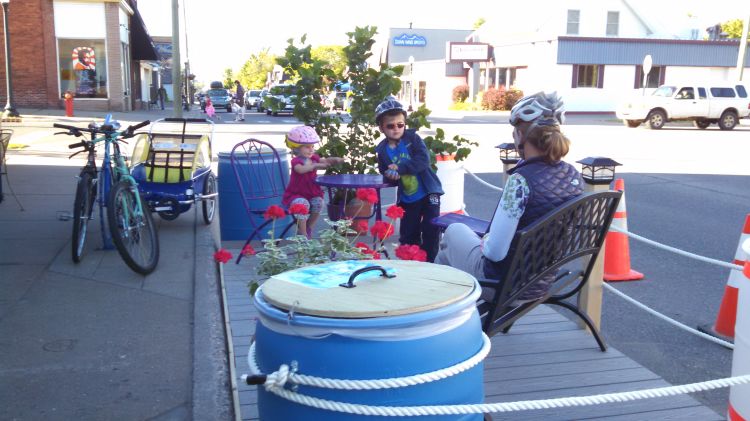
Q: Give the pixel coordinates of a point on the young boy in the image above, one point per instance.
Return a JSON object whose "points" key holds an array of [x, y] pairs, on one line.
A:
{"points": [[403, 156]]}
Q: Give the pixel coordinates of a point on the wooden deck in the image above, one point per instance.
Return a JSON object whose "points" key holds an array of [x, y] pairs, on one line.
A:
{"points": [[544, 356]]}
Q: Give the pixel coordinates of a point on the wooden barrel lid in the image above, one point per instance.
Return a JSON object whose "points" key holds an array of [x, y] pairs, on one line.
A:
{"points": [[417, 287]]}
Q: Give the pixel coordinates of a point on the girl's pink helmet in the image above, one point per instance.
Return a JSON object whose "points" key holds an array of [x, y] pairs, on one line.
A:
{"points": [[302, 135]]}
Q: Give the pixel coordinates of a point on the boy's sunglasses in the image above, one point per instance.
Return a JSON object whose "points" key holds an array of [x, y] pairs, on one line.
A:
{"points": [[393, 126]]}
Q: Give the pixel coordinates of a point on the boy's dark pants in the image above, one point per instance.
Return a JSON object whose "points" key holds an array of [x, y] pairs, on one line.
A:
{"points": [[416, 227]]}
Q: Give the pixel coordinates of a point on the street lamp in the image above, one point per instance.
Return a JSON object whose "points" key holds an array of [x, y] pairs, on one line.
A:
{"points": [[508, 153], [9, 111], [598, 170], [411, 82]]}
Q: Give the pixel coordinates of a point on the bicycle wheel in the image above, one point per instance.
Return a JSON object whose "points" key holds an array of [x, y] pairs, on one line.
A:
{"points": [[133, 231], [209, 205], [81, 215]]}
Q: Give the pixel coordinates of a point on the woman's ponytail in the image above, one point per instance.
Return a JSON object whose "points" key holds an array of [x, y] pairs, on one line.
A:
{"points": [[550, 141]]}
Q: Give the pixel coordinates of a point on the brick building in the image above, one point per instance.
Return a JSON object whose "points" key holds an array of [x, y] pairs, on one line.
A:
{"points": [[98, 49]]}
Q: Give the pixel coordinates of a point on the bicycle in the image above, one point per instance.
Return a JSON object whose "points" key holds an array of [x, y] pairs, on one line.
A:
{"points": [[130, 223]]}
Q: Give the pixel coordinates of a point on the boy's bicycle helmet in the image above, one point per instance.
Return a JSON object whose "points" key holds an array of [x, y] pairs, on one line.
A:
{"points": [[301, 135], [389, 104], [541, 108]]}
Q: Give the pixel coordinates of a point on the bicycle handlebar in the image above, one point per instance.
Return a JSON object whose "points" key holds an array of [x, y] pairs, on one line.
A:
{"points": [[184, 120], [76, 145]]}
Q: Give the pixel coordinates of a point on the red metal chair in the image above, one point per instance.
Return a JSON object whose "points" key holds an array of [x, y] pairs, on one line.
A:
{"points": [[261, 179]]}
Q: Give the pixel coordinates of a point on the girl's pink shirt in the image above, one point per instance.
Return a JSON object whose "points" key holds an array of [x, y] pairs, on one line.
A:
{"points": [[302, 185]]}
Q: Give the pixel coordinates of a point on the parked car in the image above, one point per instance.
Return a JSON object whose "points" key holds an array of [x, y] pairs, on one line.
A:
{"points": [[280, 99], [217, 85], [704, 104], [251, 98], [221, 98]]}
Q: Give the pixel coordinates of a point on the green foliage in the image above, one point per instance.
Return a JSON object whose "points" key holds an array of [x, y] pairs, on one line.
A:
{"points": [[460, 93], [228, 78], [493, 99], [465, 106], [355, 142], [300, 251], [253, 73], [478, 23], [334, 57], [438, 145], [733, 28]]}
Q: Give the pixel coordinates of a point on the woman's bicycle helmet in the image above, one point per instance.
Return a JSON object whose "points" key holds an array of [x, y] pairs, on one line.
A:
{"points": [[389, 104], [302, 135], [541, 108]]}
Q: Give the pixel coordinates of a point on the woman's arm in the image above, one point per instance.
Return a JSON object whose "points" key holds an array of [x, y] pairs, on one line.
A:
{"points": [[496, 242]]}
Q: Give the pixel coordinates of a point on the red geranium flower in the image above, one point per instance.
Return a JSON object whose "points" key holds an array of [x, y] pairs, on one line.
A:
{"points": [[298, 209], [274, 212], [222, 256], [381, 230], [368, 195], [248, 250], [362, 246], [361, 226], [395, 212], [411, 252]]}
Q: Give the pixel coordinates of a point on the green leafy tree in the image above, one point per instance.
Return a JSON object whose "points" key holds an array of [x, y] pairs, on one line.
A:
{"points": [[334, 56], [479, 22], [733, 28], [228, 78], [254, 71]]}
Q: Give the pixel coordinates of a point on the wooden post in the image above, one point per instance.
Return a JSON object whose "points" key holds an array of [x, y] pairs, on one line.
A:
{"points": [[590, 297]]}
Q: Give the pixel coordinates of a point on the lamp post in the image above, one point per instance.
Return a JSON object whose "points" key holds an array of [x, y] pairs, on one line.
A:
{"points": [[10, 110], [411, 82], [597, 172], [509, 157]]}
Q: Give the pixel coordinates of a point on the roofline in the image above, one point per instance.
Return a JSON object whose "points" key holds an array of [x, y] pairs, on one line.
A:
{"points": [[649, 29], [653, 40]]}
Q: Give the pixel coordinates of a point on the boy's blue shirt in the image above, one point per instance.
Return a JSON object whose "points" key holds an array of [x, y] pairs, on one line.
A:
{"points": [[418, 163]]}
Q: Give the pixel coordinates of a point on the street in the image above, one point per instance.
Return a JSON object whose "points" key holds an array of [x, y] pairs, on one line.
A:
{"points": [[679, 193]]}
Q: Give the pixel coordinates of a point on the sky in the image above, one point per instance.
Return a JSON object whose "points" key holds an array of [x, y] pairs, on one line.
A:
{"points": [[224, 33]]}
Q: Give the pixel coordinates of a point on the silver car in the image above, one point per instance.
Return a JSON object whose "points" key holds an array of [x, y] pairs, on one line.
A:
{"points": [[251, 98]]}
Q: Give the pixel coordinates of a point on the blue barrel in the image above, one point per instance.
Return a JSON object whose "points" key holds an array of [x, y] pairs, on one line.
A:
{"points": [[233, 218], [421, 338]]}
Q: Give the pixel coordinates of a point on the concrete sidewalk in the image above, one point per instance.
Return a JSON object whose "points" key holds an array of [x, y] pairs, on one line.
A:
{"points": [[95, 340]]}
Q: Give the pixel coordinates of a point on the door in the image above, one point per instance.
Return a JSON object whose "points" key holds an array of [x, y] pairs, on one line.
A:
{"points": [[687, 103]]}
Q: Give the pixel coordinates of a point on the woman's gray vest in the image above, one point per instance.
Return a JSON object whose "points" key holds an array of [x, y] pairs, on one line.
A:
{"points": [[550, 185]]}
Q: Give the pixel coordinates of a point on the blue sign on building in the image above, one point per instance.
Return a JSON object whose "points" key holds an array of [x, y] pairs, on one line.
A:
{"points": [[412, 40]]}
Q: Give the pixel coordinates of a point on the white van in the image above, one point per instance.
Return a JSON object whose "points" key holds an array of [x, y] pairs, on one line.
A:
{"points": [[723, 104]]}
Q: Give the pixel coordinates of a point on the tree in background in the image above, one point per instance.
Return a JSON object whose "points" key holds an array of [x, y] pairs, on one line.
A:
{"points": [[334, 56], [478, 23], [733, 28], [253, 73], [228, 78]]}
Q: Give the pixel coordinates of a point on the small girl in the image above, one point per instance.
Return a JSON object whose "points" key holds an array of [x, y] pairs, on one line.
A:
{"points": [[302, 188], [210, 111]]}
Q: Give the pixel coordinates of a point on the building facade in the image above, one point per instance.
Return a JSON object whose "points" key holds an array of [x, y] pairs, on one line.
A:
{"points": [[593, 53], [98, 50]]}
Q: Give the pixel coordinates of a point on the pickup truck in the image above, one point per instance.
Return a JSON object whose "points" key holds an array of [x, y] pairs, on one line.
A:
{"points": [[723, 104]]}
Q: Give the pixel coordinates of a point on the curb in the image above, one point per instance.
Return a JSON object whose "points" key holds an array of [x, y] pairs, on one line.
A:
{"points": [[212, 395]]}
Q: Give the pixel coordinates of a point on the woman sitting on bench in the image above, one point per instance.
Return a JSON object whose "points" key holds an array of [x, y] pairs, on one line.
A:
{"points": [[539, 183]]}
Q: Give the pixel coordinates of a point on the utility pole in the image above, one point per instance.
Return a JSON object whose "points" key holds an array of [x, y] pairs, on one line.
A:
{"points": [[743, 49], [176, 73]]}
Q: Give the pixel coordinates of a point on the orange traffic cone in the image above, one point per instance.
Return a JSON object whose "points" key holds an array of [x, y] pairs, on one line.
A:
{"points": [[724, 325], [617, 249]]}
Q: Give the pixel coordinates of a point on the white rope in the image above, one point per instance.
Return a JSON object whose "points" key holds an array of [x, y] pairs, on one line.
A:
{"points": [[676, 250], [480, 180], [402, 411], [667, 319], [280, 377]]}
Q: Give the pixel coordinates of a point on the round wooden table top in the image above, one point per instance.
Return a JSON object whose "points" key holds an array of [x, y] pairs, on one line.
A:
{"points": [[416, 287]]}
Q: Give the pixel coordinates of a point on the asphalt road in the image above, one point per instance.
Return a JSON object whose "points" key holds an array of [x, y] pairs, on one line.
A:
{"points": [[685, 187]]}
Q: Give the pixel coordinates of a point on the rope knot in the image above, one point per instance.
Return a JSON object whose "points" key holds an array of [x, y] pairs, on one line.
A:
{"points": [[278, 378]]}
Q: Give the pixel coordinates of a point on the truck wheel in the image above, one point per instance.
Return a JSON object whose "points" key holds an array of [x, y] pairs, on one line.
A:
{"points": [[728, 120], [632, 123], [701, 124], [656, 119]]}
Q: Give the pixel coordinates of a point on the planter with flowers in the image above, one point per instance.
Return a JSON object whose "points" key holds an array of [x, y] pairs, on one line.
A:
{"points": [[336, 243]]}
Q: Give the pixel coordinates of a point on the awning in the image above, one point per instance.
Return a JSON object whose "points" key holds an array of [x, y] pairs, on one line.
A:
{"points": [[141, 44]]}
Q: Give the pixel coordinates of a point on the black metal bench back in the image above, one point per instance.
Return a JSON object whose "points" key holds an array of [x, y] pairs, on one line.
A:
{"points": [[574, 230]]}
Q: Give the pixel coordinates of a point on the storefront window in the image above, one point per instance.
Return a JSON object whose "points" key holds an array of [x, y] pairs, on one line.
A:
{"points": [[83, 67]]}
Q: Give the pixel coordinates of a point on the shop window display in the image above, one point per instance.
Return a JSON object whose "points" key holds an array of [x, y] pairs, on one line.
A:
{"points": [[83, 67]]}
